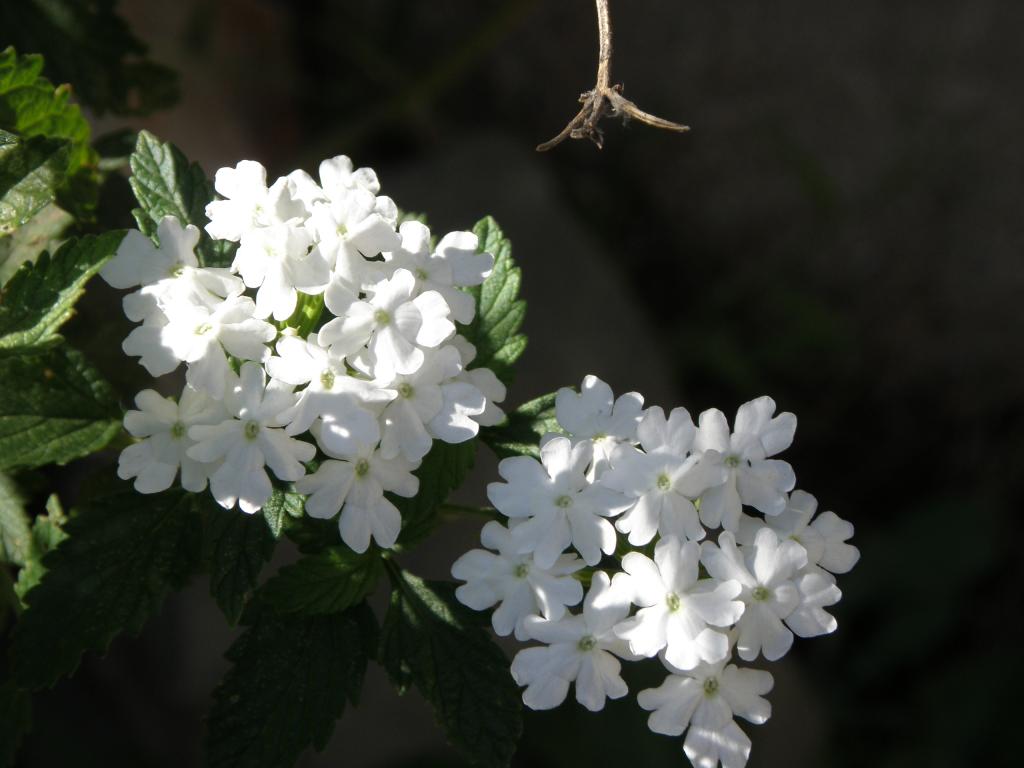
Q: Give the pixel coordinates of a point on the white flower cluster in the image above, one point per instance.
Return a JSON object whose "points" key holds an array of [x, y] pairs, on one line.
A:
{"points": [[373, 383], [698, 601]]}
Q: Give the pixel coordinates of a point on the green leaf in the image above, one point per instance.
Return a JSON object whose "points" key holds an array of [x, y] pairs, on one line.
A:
{"points": [[31, 170], [166, 184], [54, 407], [123, 555], [87, 44], [500, 312], [40, 233], [39, 298], [15, 533], [520, 433], [281, 506], [433, 641], [47, 532], [325, 582], [442, 471], [15, 720], [235, 548], [289, 680], [31, 106]]}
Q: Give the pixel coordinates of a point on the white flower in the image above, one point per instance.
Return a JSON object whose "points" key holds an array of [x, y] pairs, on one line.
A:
{"points": [[249, 204], [824, 539], [594, 414], [278, 261], [579, 648], [201, 336], [391, 323], [429, 403], [348, 407], [350, 230], [753, 478], [455, 262], [168, 273], [706, 700], [355, 484], [515, 582], [485, 381], [338, 177], [249, 441], [677, 610], [164, 424], [560, 506], [663, 480], [766, 570]]}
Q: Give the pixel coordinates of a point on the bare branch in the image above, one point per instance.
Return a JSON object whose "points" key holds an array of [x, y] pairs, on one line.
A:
{"points": [[605, 99]]}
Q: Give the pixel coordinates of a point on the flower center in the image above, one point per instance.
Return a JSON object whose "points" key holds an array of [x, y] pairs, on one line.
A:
{"points": [[327, 378], [380, 317], [420, 274], [587, 643], [664, 483], [176, 270], [342, 230], [673, 602], [521, 571], [599, 437], [203, 329], [710, 687], [252, 428], [732, 461], [362, 467], [177, 430], [563, 502], [760, 594], [405, 390]]}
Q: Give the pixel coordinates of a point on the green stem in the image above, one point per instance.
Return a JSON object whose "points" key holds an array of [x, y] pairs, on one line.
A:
{"points": [[306, 315]]}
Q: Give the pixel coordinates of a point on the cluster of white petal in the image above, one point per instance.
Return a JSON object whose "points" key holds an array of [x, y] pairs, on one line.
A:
{"points": [[377, 374], [697, 576]]}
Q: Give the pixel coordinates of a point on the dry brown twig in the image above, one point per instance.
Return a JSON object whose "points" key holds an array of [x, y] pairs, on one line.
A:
{"points": [[605, 99]]}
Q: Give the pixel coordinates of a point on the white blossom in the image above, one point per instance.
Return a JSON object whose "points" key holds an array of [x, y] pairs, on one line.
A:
{"points": [[163, 424], [393, 324], [247, 203], [201, 336], [485, 380], [704, 702], [277, 260], [354, 482], [677, 609], [593, 413], [348, 407], [249, 441], [578, 648], [514, 582], [455, 262], [560, 506], [766, 571], [752, 478]]}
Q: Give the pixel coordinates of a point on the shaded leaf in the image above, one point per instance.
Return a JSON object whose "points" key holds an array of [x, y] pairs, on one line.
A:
{"points": [[31, 170], [15, 533], [442, 471], [236, 546], [520, 433], [124, 553], [47, 532], [325, 582]]}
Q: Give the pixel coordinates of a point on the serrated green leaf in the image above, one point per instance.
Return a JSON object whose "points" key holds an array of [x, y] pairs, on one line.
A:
{"points": [[40, 233], [39, 298], [31, 170], [280, 507], [520, 433], [167, 184], [236, 546], [442, 471], [325, 582], [124, 553], [431, 640], [88, 45], [289, 680], [47, 533], [15, 533], [15, 720], [54, 407], [500, 312], [31, 106]]}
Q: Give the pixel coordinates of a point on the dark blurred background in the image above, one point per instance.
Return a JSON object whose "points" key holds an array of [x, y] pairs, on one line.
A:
{"points": [[842, 229]]}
